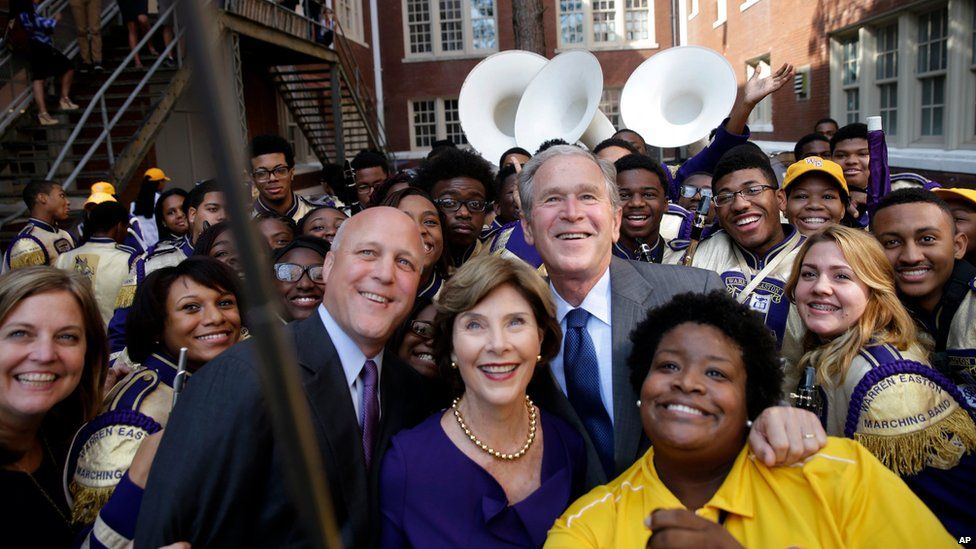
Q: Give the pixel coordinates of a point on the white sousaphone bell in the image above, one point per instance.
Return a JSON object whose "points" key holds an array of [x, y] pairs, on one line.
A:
{"points": [[563, 101], [490, 97], [678, 96], [518, 98]]}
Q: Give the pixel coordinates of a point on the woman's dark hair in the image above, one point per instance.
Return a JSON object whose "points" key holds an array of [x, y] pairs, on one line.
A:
{"points": [[393, 200], [419, 304], [764, 375], [147, 318], [286, 220], [208, 237], [164, 232], [304, 220], [384, 189]]}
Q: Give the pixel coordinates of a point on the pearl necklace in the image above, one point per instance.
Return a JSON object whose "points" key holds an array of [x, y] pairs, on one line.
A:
{"points": [[491, 451]]}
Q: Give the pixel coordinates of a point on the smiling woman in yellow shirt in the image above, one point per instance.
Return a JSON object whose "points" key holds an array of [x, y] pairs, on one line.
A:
{"points": [[695, 401]]}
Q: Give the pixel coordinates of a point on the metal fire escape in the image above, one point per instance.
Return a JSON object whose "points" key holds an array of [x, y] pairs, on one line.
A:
{"points": [[124, 109]]}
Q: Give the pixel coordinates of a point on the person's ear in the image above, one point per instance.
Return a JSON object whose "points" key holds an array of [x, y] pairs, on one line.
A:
{"points": [[960, 241], [781, 199], [191, 214], [328, 264]]}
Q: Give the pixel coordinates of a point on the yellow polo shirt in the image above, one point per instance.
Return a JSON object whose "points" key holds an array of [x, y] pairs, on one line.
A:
{"points": [[840, 497]]}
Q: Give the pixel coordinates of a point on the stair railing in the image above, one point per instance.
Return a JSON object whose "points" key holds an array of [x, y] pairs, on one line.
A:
{"points": [[19, 103], [98, 102]]}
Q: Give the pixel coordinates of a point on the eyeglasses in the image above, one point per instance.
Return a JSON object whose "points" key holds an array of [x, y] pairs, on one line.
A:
{"points": [[263, 175], [292, 272], [725, 198], [452, 205], [690, 191], [422, 328]]}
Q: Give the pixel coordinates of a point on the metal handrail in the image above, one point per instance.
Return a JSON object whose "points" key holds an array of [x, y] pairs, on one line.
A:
{"points": [[98, 99], [18, 104]]}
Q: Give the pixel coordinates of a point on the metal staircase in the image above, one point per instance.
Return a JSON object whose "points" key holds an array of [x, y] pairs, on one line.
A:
{"points": [[123, 111], [108, 137]]}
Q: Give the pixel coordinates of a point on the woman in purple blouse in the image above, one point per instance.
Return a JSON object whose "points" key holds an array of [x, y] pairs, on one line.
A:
{"points": [[492, 470]]}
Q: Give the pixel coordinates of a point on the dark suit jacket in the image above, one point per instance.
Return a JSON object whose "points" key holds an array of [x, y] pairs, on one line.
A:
{"points": [[217, 479], [635, 288]]}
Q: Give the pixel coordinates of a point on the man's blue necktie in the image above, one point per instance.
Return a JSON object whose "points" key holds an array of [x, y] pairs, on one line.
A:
{"points": [[583, 386]]}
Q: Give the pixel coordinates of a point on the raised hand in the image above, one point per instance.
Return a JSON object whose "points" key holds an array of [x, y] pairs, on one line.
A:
{"points": [[757, 88]]}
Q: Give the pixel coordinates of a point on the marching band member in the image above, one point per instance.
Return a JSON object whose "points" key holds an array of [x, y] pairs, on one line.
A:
{"points": [[461, 184], [40, 241], [816, 194], [644, 198], [272, 170], [103, 259], [204, 206], [916, 229], [754, 253]]}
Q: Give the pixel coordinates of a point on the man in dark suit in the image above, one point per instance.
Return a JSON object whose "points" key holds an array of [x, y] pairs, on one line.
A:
{"points": [[217, 479], [571, 213]]}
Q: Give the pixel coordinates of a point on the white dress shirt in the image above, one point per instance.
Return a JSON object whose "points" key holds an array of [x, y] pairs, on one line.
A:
{"points": [[353, 360], [597, 303]]}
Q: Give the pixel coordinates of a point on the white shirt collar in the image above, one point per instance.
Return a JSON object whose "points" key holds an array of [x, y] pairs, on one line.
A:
{"points": [[350, 356], [596, 302]]}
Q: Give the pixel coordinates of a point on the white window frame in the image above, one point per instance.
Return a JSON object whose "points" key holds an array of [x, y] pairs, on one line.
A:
{"points": [[854, 87], [440, 131], [693, 12], [620, 8], [437, 48], [747, 4], [883, 81], [721, 13], [352, 29], [920, 77], [761, 117]]}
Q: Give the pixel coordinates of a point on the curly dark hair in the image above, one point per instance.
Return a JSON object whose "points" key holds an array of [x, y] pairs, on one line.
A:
{"points": [[451, 163], [764, 376], [270, 144]]}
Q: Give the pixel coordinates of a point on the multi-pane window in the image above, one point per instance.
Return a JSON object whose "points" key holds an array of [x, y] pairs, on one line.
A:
{"points": [[636, 20], [450, 27], [851, 57], [610, 105], [886, 65], [761, 118], [424, 123], [851, 69], [418, 26], [434, 119], [571, 21], [483, 24], [452, 123], [931, 70], [602, 23], [350, 18]]}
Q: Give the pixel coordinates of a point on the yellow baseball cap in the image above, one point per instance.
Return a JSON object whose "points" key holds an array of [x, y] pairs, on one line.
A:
{"points": [[101, 192], [816, 164], [155, 174], [968, 195]]}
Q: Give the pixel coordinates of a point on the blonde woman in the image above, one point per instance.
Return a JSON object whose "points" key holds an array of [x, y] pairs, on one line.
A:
{"points": [[878, 384]]}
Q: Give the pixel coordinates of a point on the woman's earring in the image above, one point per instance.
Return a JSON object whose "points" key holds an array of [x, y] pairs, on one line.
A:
{"points": [[538, 358], [638, 403], [749, 423], [454, 365]]}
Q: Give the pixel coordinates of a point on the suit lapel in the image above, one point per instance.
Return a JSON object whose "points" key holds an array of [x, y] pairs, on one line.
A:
{"points": [[629, 300], [333, 414]]}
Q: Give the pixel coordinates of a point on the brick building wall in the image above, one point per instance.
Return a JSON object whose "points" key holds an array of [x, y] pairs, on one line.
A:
{"points": [[406, 79]]}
